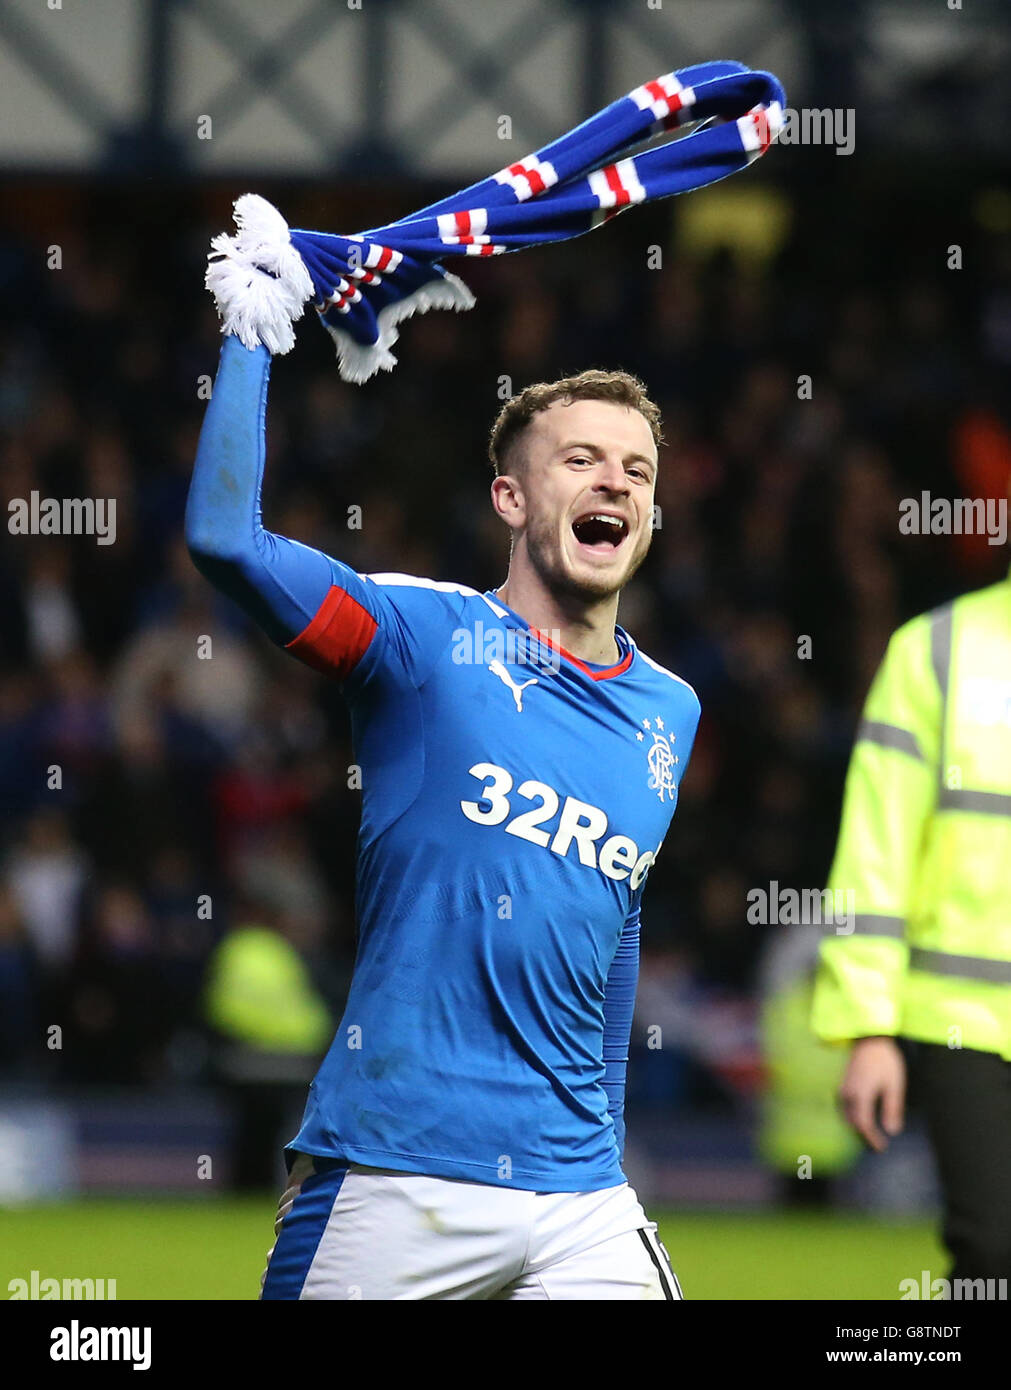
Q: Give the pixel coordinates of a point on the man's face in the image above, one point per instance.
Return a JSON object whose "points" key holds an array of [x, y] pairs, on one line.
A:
{"points": [[585, 490]]}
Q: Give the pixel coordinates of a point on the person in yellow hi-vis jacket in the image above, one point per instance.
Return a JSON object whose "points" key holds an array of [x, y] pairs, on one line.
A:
{"points": [[925, 847], [270, 1027]]}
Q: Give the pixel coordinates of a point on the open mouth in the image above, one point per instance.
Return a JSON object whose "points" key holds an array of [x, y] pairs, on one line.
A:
{"points": [[600, 532]]}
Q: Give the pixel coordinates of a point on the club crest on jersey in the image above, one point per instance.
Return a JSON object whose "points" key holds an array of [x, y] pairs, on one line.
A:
{"points": [[660, 757]]}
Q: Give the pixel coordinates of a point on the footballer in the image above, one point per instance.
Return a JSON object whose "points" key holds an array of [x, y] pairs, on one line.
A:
{"points": [[463, 1138]]}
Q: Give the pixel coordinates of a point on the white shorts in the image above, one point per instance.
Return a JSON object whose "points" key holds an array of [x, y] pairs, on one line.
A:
{"points": [[346, 1231]]}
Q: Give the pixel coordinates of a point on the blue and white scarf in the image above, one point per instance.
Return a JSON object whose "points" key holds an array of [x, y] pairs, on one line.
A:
{"points": [[363, 285]]}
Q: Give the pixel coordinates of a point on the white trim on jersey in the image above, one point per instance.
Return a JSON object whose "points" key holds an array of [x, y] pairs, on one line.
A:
{"points": [[444, 586], [496, 608], [663, 670]]}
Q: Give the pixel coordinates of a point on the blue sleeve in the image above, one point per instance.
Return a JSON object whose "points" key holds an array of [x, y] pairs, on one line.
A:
{"points": [[280, 583], [340, 622], [619, 1004]]}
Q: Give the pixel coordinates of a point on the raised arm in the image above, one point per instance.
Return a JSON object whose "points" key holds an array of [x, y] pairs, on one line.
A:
{"points": [[319, 609], [280, 583]]}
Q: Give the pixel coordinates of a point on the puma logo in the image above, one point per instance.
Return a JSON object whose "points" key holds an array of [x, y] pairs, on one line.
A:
{"points": [[499, 670]]}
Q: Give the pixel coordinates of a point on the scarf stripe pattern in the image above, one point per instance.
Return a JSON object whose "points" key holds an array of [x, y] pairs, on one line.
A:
{"points": [[363, 285]]}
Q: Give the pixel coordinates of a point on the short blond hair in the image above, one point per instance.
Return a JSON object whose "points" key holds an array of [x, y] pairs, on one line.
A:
{"points": [[620, 388]]}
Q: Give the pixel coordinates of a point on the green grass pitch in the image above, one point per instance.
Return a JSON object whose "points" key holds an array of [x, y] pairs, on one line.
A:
{"points": [[215, 1249]]}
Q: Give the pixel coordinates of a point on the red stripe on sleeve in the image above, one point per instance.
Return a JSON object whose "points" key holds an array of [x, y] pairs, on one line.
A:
{"points": [[338, 637]]}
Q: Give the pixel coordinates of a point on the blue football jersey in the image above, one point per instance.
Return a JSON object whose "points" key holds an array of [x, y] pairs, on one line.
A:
{"points": [[513, 800]]}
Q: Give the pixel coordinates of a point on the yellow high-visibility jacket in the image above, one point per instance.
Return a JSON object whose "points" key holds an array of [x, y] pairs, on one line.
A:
{"points": [[259, 992], [925, 840], [798, 1114]]}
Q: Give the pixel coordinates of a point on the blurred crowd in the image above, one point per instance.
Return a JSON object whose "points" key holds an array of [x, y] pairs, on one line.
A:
{"points": [[153, 804]]}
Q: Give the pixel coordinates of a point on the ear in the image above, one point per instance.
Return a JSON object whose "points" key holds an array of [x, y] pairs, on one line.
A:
{"points": [[509, 502]]}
